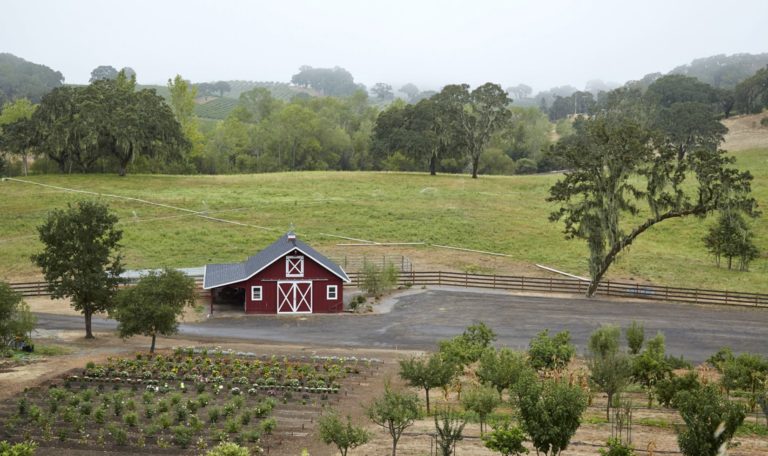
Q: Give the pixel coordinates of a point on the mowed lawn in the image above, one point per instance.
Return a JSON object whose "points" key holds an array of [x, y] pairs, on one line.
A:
{"points": [[499, 214]]}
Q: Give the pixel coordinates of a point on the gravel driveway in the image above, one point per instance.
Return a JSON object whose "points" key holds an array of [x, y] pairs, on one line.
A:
{"points": [[419, 319]]}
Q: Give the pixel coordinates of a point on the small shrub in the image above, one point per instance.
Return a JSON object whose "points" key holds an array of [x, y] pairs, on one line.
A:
{"points": [[23, 406], [182, 436], [252, 436], [118, 434], [18, 449], [182, 414], [149, 411], [232, 426], [228, 449], [191, 405], [175, 399], [164, 420], [245, 417], [268, 425], [98, 415], [131, 419], [615, 447], [203, 399], [764, 122], [162, 406], [213, 414], [229, 409]]}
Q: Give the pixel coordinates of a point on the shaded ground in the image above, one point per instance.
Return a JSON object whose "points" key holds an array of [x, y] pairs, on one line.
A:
{"points": [[419, 319]]}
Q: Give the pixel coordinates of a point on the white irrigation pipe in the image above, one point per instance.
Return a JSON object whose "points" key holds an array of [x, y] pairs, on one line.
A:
{"points": [[547, 268], [382, 244], [201, 214], [471, 250]]}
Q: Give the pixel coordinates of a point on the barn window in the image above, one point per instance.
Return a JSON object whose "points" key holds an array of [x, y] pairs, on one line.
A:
{"points": [[294, 266], [332, 292], [255, 293]]}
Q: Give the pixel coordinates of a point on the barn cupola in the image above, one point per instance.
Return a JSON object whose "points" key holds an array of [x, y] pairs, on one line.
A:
{"points": [[291, 236]]}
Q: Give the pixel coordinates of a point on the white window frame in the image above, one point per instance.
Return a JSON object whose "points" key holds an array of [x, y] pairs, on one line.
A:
{"points": [[296, 271], [334, 289], [257, 290]]}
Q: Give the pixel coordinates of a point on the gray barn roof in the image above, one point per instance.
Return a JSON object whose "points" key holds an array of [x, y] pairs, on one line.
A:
{"points": [[217, 275]]}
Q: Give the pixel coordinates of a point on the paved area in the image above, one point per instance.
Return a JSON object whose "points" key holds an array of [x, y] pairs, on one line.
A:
{"points": [[419, 319]]}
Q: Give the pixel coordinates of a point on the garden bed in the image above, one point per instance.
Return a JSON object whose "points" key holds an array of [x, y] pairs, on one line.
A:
{"points": [[182, 401]]}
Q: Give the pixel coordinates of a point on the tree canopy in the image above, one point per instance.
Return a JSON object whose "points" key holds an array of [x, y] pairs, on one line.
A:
{"points": [[153, 306], [335, 82], [80, 259], [619, 170]]}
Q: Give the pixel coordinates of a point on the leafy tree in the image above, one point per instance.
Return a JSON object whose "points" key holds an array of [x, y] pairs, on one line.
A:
{"points": [[545, 352], [506, 440], [334, 82], [80, 258], [182, 102], [468, 347], [22, 79], [395, 412], [433, 372], [501, 368], [751, 95], [16, 320], [103, 72], [481, 400], [731, 238], [129, 72], [604, 341], [449, 428], [411, 91], [519, 92], [382, 91], [345, 436], [475, 116], [550, 411], [615, 166], [667, 388], [635, 336], [378, 280], [16, 134], [650, 366], [259, 103], [221, 87], [610, 373], [723, 71], [154, 304], [747, 372], [710, 421]]}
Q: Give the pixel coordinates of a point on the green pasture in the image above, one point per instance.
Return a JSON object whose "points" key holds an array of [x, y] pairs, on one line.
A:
{"points": [[500, 214]]}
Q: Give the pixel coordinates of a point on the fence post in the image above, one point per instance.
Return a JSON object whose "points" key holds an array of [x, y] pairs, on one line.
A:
{"points": [[466, 278], [550, 284], [439, 277], [522, 283], [494, 281], [696, 296], [726, 297], [608, 292], [666, 291]]}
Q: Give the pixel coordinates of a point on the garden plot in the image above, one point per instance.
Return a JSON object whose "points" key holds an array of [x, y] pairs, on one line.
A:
{"points": [[183, 402]]}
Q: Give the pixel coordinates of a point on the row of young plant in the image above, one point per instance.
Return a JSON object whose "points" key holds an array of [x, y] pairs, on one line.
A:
{"points": [[320, 375], [111, 410], [547, 404]]}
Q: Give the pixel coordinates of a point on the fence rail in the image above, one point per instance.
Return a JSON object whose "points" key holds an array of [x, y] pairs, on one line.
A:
{"points": [[355, 263], [532, 284], [576, 286]]}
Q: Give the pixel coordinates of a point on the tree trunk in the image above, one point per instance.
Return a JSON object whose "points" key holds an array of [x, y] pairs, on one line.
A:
{"points": [[627, 241], [608, 408], [25, 167], [730, 262], [152, 347], [475, 163], [88, 333], [122, 169], [394, 447], [433, 165], [427, 390]]}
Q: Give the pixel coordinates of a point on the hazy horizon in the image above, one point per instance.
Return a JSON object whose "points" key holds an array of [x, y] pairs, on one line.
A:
{"points": [[430, 43]]}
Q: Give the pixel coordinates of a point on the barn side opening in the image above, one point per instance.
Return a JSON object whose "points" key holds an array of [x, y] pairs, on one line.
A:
{"points": [[227, 298]]}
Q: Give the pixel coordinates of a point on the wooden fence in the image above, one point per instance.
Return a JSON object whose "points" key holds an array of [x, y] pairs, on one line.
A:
{"points": [[531, 284], [576, 286], [354, 263]]}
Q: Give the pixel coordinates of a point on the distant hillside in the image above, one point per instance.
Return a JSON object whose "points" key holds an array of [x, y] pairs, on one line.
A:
{"points": [[746, 132], [22, 79], [723, 71], [215, 107], [280, 90]]}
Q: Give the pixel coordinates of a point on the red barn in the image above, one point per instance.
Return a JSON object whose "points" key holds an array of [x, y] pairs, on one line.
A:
{"points": [[287, 277]]}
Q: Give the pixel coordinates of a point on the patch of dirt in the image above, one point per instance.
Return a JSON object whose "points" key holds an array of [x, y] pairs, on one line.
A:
{"points": [[45, 304], [745, 132]]}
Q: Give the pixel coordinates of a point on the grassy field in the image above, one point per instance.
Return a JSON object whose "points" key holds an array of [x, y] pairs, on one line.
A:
{"points": [[499, 214]]}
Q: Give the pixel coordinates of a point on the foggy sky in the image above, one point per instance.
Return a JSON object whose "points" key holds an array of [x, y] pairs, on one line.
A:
{"points": [[430, 43]]}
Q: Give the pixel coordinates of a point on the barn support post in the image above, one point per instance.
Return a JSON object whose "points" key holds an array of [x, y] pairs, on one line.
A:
{"points": [[211, 302]]}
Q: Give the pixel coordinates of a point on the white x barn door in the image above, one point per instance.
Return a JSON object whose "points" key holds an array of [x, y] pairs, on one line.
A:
{"points": [[294, 297]]}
